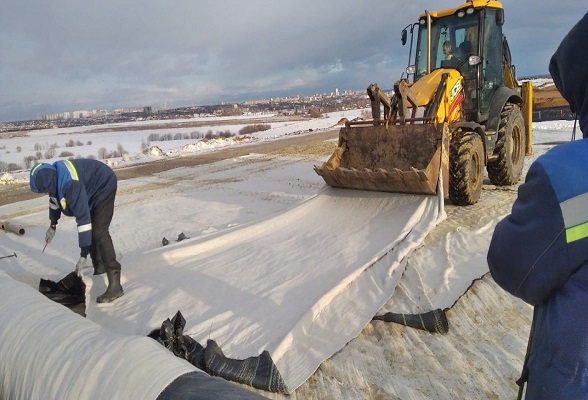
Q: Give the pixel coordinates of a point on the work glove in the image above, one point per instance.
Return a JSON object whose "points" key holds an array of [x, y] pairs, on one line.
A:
{"points": [[50, 234], [80, 265]]}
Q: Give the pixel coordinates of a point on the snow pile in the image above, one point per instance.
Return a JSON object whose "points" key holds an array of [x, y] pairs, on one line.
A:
{"points": [[543, 83], [210, 144], [7, 179], [111, 163], [154, 151]]}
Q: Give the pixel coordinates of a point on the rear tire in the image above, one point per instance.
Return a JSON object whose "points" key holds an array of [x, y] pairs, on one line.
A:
{"points": [[466, 168], [506, 166]]}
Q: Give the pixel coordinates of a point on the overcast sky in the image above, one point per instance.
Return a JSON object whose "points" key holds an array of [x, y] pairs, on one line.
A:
{"points": [[67, 55]]}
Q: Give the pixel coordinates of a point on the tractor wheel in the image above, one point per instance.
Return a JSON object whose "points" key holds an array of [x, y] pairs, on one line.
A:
{"points": [[506, 165], [466, 168]]}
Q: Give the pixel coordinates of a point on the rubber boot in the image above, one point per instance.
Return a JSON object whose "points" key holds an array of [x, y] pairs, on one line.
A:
{"points": [[114, 290], [99, 269]]}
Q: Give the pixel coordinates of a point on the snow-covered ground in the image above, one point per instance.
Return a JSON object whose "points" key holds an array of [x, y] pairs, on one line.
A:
{"points": [[481, 355], [136, 137]]}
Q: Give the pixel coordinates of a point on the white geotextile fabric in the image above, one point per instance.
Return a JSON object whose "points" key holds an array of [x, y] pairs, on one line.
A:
{"points": [[48, 352], [255, 288], [440, 272]]}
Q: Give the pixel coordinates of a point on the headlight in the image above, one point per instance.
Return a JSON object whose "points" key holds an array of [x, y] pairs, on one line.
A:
{"points": [[411, 69]]}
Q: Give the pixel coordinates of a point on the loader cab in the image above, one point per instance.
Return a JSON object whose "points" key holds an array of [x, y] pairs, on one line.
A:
{"points": [[475, 37]]}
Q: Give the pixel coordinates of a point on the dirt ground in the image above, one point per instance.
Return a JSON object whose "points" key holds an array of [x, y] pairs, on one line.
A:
{"points": [[547, 96]]}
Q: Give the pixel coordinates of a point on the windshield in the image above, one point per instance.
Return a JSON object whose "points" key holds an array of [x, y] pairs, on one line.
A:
{"points": [[453, 39]]}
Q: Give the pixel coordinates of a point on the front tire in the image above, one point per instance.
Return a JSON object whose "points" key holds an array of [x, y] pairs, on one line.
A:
{"points": [[466, 168], [506, 165]]}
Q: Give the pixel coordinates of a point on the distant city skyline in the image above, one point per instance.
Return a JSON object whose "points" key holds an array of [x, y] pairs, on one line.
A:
{"points": [[95, 112], [60, 56]]}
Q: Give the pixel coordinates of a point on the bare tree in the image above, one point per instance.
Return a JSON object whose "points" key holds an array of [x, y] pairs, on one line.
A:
{"points": [[102, 153], [50, 152], [28, 161], [121, 149]]}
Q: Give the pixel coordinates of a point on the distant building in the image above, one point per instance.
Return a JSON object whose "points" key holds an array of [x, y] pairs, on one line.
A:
{"points": [[68, 115], [81, 114]]}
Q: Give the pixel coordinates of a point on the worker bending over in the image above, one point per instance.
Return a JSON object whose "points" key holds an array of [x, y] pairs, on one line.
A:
{"points": [[84, 189]]}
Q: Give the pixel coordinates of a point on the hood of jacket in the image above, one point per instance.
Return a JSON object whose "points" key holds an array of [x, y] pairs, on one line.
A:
{"points": [[569, 69], [43, 179]]}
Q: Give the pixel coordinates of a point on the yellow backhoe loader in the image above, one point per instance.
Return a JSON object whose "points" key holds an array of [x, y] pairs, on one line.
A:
{"points": [[463, 110]]}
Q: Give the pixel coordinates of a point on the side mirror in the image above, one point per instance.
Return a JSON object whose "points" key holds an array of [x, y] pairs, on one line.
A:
{"points": [[403, 36], [474, 60], [500, 17]]}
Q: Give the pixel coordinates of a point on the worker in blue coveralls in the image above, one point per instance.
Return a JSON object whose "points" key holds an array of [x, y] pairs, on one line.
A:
{"points": [[540, 251], [84, 189]]}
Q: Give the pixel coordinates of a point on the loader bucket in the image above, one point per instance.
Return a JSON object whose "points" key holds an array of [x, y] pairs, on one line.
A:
{"points": [[398, 158]]}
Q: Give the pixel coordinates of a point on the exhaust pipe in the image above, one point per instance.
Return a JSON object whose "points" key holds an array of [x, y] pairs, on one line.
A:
{"points": [[12, 227]]}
